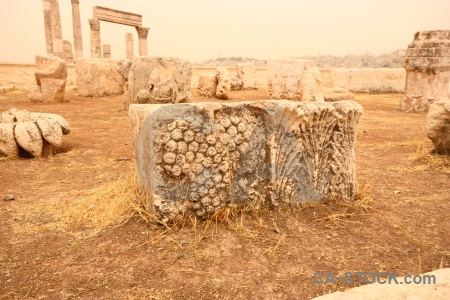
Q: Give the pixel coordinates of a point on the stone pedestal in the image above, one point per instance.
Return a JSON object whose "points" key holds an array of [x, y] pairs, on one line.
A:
{"points": [[142, 35], [106, 51], [198, 158], [129, 45], [247, 74], [427, 65], [51, 74], [77, 35], [96, 42]]}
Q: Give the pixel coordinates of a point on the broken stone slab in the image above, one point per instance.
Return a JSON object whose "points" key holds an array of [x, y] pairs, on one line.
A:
{"points": [[197, 158], [438, 126], [98, 77], [207, 86], [51, 74], [336, 94], [8, 144], [29, 137], [247, 74], [427, 65], [223, 83], [35, 133], [438, 289], [167, 80], [295, 79]]}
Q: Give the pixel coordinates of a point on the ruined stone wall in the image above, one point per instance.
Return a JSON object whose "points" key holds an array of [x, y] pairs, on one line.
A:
{"points": [[22, 75], [355, 80], [369, 80]]}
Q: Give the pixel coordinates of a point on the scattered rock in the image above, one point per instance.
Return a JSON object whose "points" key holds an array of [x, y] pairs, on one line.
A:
{"points": [[438, 125], [9, 197]]}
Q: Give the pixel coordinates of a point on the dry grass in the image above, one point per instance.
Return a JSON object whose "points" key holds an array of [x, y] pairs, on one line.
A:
{"points": [[109, 205], [429, 160]]}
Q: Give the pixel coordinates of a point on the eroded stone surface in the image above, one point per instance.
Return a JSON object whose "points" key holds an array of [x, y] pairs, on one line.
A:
{"points": [[439, 126], [207, 86], [223, 83], [36, 133], [8, 144], [167, 80], [247, 74], [200, 157], [29, 137], [51, 74], [427, 67], [295, 79], [99, 77]]}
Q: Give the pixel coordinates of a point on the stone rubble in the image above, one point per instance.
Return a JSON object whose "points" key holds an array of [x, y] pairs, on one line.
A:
{"points": [[438, 126], [35, 133], [50, 74]]}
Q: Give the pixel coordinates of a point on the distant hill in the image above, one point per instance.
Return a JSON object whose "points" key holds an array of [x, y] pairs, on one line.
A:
{"points": [[388, 60]]}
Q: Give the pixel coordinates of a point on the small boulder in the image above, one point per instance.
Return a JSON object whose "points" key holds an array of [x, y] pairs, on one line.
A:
{"points": [[8, 145], [439, 126]]}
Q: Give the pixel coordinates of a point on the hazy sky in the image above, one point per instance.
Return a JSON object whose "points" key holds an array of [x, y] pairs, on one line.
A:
{"points": [[197, 30]]}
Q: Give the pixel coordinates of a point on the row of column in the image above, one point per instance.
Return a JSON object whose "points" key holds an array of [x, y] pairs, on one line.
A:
{"points": [[54, 41], [96, 41]]}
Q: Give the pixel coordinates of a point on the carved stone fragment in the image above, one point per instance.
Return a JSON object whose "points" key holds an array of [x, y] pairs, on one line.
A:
{"points": [[197, 158], [427, 65]]}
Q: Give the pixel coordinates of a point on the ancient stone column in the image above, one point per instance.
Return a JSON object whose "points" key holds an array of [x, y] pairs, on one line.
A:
{"points": [[106, 51], [142, 34], [48, 26], [129, 45], [56, 28], [96, 42], [77, 36], [427, 65]]}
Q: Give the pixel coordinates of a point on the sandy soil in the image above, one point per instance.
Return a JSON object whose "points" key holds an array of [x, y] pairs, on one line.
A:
{"points": [[399, 224]]}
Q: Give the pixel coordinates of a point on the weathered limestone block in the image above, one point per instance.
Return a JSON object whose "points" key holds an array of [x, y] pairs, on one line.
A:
{"points": [[247, 73], [51, 131], [207, 86], [439, 126], [29, 137], [427, 65], [51, 74], [295, 79], [236, 83], [100, 77], [167, 80], [197, 158], [336, 94], [223, 83], [8, 144], [35, 133]]}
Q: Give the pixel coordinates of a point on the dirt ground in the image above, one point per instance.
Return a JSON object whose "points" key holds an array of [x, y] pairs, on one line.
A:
{"points": [[65, 236]]}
